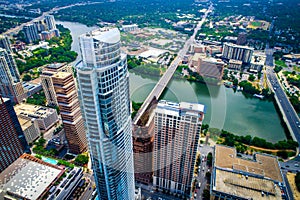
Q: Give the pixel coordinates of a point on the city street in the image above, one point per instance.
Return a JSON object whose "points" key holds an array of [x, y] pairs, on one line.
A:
{"points": [[204, 150]]}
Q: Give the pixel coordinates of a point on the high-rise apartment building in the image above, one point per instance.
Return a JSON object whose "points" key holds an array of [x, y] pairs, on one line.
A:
{"points": [[12, 140], [143, 139], [177, 132], [31, 33], [50, 21], [237, 52], [5, 43], [10, 85], [46, 80], [103, 81], [67, 98]]}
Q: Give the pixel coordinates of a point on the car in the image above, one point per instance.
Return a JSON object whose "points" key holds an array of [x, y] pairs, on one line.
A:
{"points": [[297, 122], [287, 166]]}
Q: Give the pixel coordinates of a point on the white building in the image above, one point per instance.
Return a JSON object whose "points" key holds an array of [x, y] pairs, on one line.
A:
{"points": [[129, 28], [103, 81], [237, 52], [30, 128], [177, 132], [46, 117]]}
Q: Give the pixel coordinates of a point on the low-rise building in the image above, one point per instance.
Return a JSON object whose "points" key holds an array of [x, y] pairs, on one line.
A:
{"points": [[46, 117], [128, 28], [235, 64], [28, 178], [239, 178], [211, 68], [257, 62], [31, 88], [30, 129]]}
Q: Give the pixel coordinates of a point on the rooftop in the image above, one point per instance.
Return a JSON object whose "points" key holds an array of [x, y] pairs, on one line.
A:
{"points": [[232, 61], [239, 46], [246, 187], [24, 122], [262, 165], [28, 177], [179, 109], [33, 111], [106, 35]]}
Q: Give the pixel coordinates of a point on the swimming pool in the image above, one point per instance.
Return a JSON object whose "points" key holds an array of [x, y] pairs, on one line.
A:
{"points": [[49, 160]]}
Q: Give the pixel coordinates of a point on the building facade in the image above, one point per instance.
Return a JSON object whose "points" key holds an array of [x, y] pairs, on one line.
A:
{"points": [[50, 21], [47, 83], [31, 33], [103, 81], [30, 129], [67, 98], [10, 83], [11, 135], [237, 52], [46, 117], [5, 43], [177, 132]]}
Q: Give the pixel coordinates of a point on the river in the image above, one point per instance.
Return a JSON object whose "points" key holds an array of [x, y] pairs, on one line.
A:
{"points": [[225, 109]]}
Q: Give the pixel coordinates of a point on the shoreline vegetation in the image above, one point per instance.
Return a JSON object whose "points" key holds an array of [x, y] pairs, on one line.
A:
{"points": [[248, 144], [60, 52]]}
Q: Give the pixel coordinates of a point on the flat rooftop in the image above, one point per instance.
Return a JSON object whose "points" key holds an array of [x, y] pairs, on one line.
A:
{"points": [[24, 122], [179, 109], [245, 187], [33, 111], [28, 178], [262, 165], [232, 61]]}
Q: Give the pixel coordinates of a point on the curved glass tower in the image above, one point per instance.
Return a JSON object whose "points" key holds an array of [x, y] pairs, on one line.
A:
{"points": [[103, 82]]}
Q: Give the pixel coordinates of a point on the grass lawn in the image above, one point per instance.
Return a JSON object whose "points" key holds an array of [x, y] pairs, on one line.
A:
{"points": [[256, 23], [280, 63], [296, 68]]}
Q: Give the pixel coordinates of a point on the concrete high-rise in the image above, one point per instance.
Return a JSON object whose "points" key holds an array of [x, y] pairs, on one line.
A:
{"points": [[10, 84], [67, 98], [12, 140], [5, 43], [50, 21], [177, 132], [103, 81], [46, 80], [237, 52], [31, 33]]}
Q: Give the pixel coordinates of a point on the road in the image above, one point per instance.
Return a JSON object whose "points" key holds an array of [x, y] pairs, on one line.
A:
{"points": [[289, 114], [16, 29], [164, 80], [204, 150]]}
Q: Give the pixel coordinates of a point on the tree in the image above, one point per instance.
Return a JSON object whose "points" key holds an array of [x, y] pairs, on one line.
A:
{"points": [[206, 194], [27, 77], [235, 82], [82, 159], [277, 68], [209, 159], [251, 77]]}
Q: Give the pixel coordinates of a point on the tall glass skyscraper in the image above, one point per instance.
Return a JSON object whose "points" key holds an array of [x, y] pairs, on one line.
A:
{"points": [[103, 81]]}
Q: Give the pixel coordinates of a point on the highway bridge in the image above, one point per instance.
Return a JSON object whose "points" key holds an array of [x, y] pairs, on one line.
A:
{"points": [[290, 116], [164, 80]]}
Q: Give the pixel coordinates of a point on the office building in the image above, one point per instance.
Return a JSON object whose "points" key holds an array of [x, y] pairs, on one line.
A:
{"points": [[103, 81], [129, 28], [40, 25], [242, 38], [31, 33], [143, 138], [11, 135], [10, 85], [235, 64], [177, 132], [47, 35], [46, 117], [237, 52], [5, 43], [50, 21], [67, 98], [46, 80], [258, 61], [239, 178], [29, 178], [30, 129], [211, 68]]}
